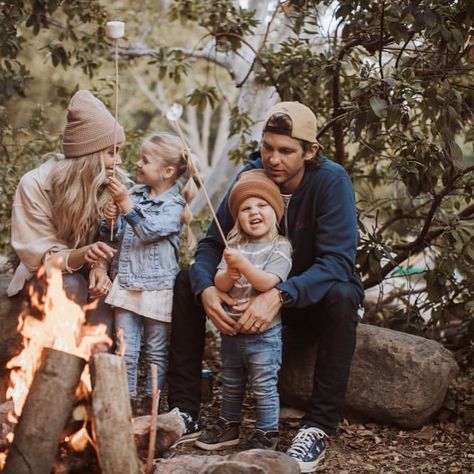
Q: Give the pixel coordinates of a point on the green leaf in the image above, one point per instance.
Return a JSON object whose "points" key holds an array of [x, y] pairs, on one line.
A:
{"points": [[343, 11], [458, 36], [379, 106], [430, 18], [456, 152]]}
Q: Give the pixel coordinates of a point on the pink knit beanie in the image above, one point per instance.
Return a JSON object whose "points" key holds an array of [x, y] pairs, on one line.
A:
{"points": [[89, 127]]}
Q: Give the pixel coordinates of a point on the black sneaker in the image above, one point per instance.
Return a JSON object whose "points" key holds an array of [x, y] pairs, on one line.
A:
{"points": [[220, 436], [191, 427], [308, 448], [264, 440]]}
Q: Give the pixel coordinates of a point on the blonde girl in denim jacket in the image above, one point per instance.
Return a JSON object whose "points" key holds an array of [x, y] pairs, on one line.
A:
{"points": [[147, 222]]}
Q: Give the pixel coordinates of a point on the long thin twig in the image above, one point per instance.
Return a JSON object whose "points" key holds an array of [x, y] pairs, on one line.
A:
{"points": [[199, 178], [382, 18], [154, 419], [115, 125]]}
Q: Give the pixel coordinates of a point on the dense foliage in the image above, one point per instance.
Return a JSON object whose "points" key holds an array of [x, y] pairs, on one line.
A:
{"points": [[392, 85], [74, 31]]}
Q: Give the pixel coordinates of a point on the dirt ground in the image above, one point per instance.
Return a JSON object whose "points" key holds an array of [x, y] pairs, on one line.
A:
{"points": [[445, 446]]}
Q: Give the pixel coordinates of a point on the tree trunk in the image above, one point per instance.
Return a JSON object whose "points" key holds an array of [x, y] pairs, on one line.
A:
{"points": [[254, 99], [45, 413], [113, 415]]}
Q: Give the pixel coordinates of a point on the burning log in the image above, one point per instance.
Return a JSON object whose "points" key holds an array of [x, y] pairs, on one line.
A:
{"points": [[45, 413], [113, 415]]}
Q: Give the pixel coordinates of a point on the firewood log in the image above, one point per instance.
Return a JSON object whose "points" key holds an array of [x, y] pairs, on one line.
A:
{"points": [[112, 415], [45, 413]]}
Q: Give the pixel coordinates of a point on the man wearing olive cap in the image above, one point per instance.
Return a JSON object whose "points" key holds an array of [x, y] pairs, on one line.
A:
{"points": [[322, 293]]}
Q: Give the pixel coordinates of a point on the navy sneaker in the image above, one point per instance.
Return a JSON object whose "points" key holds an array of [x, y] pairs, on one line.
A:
{"points": [[264, 440], [191, 427], [308, 448], [220, 436]]}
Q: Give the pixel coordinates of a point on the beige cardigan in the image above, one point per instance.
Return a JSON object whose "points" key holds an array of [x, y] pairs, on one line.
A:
{"points": [[33, 234]]}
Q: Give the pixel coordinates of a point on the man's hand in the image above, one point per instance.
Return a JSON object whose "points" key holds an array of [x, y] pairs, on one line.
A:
{"points": [[212, 300], [259, 313], [99, 282]]}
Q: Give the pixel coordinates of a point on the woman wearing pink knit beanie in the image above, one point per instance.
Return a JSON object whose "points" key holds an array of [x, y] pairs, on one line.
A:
{"points": [[57, 207]]}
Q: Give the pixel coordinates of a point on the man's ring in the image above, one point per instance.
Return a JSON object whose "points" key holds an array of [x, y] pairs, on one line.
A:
{"points": [[257, 325], [105, 288]]}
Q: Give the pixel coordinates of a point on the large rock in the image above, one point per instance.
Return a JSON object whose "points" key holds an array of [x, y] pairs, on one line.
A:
{"points": [[10, 341], [396, 378], [253, 461]]}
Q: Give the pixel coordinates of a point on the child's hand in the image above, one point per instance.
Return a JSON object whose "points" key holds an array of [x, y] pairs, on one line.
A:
{"points": [[111, 212], [234, 259], [120, 194], [233, 273]]}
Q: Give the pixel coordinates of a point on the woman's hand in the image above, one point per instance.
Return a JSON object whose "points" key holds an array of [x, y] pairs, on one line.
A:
{"points": [[99, 282], [98, 251], [120, 195]]}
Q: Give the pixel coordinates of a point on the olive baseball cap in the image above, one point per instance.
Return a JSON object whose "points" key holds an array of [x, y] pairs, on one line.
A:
{"points": [[302, 118]]}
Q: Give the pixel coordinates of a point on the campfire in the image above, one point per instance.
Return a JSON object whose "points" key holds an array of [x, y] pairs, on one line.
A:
{"points": [[63, 365]]}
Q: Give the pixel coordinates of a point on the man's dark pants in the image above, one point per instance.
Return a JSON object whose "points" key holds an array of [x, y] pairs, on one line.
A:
{"points": [[333, 321]]}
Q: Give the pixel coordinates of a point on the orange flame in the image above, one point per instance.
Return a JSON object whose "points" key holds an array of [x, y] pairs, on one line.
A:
{"points": [[63, 327]]}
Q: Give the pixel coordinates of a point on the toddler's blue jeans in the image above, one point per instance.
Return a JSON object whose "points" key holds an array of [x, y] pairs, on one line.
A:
{"points": [[256, 359]]}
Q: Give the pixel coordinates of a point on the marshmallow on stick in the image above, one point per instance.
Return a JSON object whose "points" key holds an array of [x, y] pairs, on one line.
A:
{"points": [[115, 30]]}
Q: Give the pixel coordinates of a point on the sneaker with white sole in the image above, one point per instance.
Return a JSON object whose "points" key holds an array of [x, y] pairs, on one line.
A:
{"points": [[308, 448], [191, 427], [220, 436]]}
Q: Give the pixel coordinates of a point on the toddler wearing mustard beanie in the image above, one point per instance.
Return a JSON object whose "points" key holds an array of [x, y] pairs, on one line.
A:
{"points": [[255, 183]]}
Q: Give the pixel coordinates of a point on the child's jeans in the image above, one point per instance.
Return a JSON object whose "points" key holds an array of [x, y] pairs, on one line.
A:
{"points": [[155, 334], [256, 358]]}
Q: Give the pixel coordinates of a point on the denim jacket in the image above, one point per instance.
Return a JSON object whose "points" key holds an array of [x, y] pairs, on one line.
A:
{"points": [[148, 239]]}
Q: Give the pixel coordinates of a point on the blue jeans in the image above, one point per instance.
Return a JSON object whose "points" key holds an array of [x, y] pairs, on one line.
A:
{"points": [[155, 334], [332, 321], [255, 358]]}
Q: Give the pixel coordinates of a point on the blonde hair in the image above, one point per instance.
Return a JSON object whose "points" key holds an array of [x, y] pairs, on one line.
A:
{"points": [[237, 236], [78, 195], [171, 151]]}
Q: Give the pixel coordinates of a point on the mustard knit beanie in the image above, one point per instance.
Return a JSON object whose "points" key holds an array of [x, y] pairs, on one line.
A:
{"points": [[255, 183], [89, 127]]}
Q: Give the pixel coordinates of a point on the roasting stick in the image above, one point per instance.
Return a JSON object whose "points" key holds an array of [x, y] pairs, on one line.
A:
{"points": [[154, 418], [173, 114], [115, 30]]}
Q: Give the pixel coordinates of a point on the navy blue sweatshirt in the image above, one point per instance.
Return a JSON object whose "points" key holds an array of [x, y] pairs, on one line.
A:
{"points": [[320, 222]]}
